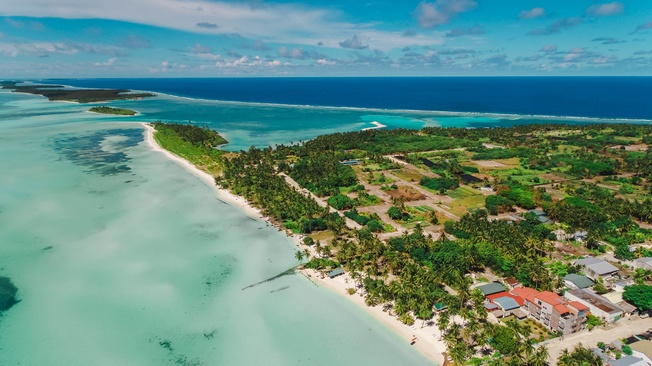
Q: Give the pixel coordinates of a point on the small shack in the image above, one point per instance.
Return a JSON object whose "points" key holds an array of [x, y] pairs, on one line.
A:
{"points": [[335, 272]]}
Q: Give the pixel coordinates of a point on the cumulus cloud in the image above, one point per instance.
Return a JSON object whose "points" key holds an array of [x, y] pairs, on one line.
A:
{"points": [[291, 53], [354, 43], [207, 25], [607, 40], [459, 32], [557, 26], [430, 15], [532, 14], [644, 26], [325, 62], [601, 10]]}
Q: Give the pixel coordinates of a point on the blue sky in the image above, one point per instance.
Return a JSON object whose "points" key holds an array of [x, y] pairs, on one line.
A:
{"points": [[190, 38]]}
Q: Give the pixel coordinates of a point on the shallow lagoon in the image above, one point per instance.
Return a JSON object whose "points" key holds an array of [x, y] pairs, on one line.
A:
{"points": [[123, 258]]}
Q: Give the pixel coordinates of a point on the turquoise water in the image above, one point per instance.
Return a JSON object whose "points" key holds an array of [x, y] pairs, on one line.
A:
{"points": [[123, 258]]}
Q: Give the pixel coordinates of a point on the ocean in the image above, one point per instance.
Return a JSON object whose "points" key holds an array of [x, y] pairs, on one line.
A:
{"points": [[123, 258]]}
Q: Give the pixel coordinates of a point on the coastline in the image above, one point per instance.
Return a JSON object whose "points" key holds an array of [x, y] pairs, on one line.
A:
{"points": [[427, 335]]}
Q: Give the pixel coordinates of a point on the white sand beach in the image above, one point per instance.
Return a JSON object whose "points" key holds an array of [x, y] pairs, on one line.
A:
{"points": [[427, 342], [428, 336], [376, 124]]}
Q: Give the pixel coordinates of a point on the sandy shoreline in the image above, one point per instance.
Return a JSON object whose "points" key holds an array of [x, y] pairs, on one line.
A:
{"points": [[428, 341]]}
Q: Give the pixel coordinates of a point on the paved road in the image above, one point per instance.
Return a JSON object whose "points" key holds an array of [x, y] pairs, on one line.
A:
{"points": [[623, 329]]}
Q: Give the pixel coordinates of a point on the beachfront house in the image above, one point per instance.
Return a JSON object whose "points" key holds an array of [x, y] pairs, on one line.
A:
{"points": [[628, 361], [575, 281], [335, 272], [551, 310], [594, 268], [599, 305]]}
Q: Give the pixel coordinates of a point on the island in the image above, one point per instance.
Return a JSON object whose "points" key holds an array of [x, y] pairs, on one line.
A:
{"points": [[61, 93], [111, 110], [8, 294], [494, 239]]}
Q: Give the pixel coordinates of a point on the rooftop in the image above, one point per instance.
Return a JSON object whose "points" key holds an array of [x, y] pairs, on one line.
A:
{"points": [[628, 361], [646, 260], [597, 265], [519, 300], [595, 300], [507, 303], [526, 293], [491, 288], [644, 346], [578, 280], [336, 272]]}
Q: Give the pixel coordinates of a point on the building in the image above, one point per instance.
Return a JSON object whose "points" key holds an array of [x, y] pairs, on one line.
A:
{"points": [[575, 281], [643, 349], [551, 310], [541, 216], [628, 361], [491, 288], [595, 268], [512, 283], [643, 262], [599, 305], [335, 272], [507, 302]]}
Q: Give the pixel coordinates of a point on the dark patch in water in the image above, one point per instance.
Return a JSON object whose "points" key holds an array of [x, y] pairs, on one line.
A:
{"points": [[279, 289], [128, 181], [218, 277], [289, 272], [167, 345], [210, 335], [86, 150], [7, 294], [47, 248]]}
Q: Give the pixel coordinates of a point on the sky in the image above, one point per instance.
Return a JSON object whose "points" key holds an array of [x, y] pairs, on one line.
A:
{"points": [[204, 38]]}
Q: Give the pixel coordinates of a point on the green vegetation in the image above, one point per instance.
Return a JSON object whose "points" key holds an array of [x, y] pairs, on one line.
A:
{"points": [[580, 356], [111, 110], [640, 296], [195, 144], [58, 92], [569, 173]]}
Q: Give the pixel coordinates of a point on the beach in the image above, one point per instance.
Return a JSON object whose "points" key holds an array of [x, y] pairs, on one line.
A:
{"points": [[428, 342]]}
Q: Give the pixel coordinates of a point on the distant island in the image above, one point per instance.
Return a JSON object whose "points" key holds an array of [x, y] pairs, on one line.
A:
{"points": [[60, 93], [111, 110], [462, 230]]}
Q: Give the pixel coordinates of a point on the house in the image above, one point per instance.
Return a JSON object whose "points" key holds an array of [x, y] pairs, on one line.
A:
{"points": [[541, 216], [551, 310], [486, 189], [491, 288], [506, 302], [335, 272], [628, 361], [599, 305], [580, 235], [643, 262], [561, 235], [620, 285], [643, 349], [512, 283], [595, 268], [575, 281]]}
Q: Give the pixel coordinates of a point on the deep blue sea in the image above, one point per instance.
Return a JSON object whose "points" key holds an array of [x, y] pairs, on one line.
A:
{"points": [[594, 97]]}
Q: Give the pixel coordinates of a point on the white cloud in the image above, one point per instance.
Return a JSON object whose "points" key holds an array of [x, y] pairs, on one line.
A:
{"points": [[601, 10], [324, 61], [533, 14], [108, 62], [430, 15]]}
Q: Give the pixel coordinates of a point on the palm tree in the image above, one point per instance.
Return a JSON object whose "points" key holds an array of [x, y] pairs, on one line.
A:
{"points": [[299, 255]]}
